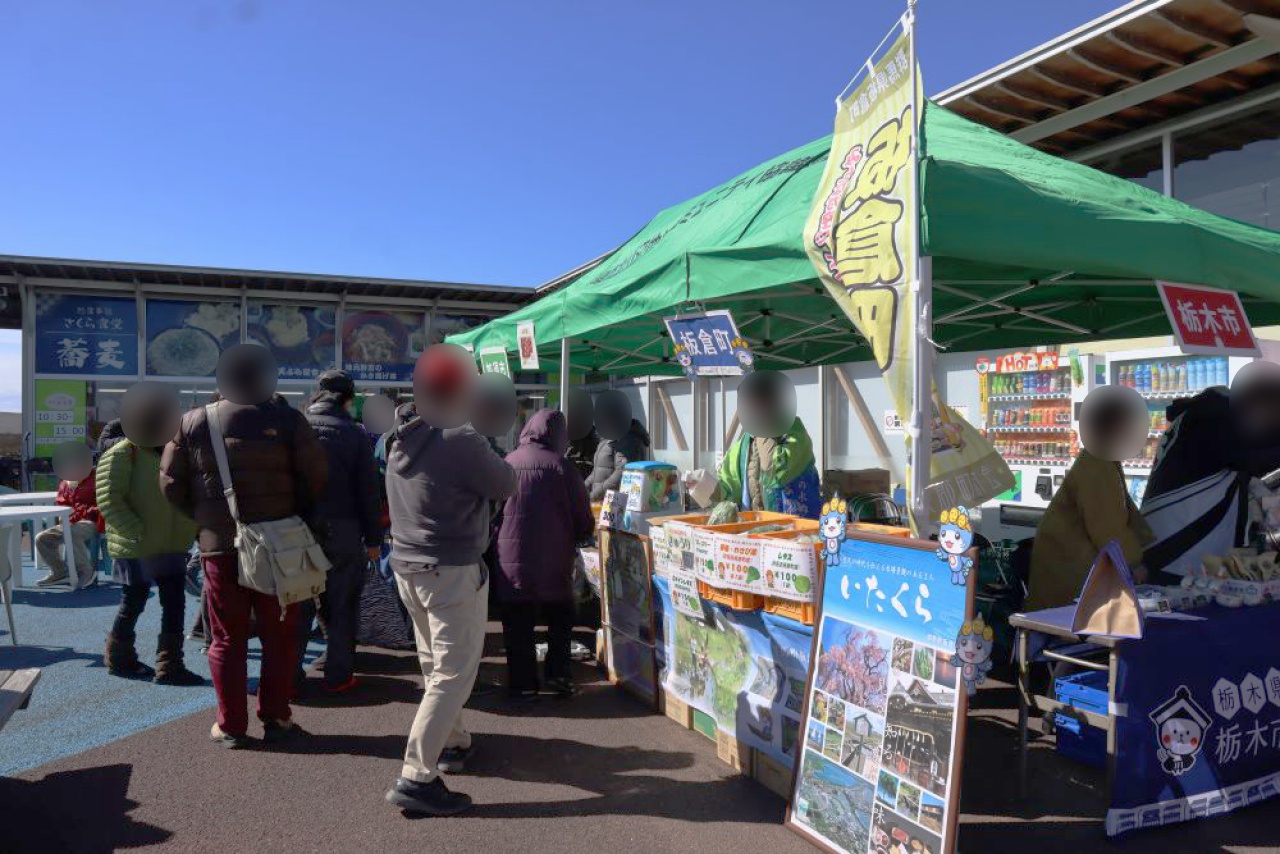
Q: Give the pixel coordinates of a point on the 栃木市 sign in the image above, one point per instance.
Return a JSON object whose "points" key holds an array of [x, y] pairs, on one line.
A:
{"points": [[1208, 321]]}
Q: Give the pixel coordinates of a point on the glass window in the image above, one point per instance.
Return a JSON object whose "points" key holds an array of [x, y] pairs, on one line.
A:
{"points": [[185, 338], [1232, 167], [1142, 164]]}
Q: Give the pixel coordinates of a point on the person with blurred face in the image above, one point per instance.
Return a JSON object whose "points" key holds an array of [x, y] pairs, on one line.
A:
{"points": [[147, 537], [351, 508], [623, 440], [441, 478], [583, 438], [278, 470], [541, 525], [77, 490], [1092, 507], [770, 466]]}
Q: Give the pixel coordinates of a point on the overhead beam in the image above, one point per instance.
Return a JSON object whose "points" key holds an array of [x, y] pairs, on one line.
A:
{"points": [[1192, 28], [1104, 67], [1141, 47], [1213, 66], [1062, 82], [1034, 97]]}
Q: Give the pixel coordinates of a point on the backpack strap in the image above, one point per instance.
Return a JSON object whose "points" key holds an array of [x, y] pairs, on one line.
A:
{"points": [[219, 443]]}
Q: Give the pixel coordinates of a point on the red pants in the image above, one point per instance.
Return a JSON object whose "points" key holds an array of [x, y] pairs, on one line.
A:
{"points": [[229, 608]]}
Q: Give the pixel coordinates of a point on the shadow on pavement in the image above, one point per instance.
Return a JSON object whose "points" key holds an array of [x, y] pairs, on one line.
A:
{"points": [[97, 596], [74, 812]]}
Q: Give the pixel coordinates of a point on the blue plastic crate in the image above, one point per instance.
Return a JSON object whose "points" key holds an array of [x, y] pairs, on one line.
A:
{"points": [[1077, 740]]}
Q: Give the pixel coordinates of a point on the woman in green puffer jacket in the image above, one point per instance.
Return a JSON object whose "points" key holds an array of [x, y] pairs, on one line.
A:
{"points": [[148, 539]]}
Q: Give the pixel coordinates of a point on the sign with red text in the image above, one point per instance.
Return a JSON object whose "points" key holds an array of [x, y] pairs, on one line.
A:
{"points": [[1208, 321]]}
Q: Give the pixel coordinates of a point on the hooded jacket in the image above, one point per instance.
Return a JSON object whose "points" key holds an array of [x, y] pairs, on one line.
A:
{"points": [[612, 457], [439, 487], [352, 502], [544, 520], [277, 467]]}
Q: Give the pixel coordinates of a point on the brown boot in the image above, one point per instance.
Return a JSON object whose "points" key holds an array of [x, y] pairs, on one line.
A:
{"points": [[170, 669], [122, 658]]}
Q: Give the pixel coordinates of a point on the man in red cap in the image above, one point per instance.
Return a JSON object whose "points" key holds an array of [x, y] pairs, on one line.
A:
{"points": [[441, 479]]}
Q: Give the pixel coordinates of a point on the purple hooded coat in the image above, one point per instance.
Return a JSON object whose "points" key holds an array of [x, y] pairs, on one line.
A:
{"points": [[545, 519]]}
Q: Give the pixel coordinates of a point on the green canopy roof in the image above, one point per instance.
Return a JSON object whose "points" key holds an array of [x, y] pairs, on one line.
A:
{"points": [[1027, 248]]}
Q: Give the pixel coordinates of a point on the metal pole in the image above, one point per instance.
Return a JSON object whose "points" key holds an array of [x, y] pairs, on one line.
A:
{"points": [[922, 395], [564, 377]]}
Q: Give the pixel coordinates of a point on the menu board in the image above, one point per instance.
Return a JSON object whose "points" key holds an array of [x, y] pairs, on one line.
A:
{"points": [[60, 414], [382, 345], [86, 335], [185, 339], [302, 337], [886, 699]]}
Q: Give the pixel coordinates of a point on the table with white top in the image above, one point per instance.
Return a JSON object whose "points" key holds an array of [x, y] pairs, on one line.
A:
{"points": [[11, 519], [18, 499]]}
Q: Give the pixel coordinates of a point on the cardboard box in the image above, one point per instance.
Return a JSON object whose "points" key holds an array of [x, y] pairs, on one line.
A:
{"points": [[851, 483], [736, 754], [678, 710], [773, 775]]}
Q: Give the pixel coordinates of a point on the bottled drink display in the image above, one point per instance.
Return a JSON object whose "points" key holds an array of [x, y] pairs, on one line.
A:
{"points": [[1040, 451], [1032, 382], [1029, 415], [1174, 375]]}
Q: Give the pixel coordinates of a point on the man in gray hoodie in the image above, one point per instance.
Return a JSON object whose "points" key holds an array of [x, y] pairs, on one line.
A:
{"points": [[441, 480]]}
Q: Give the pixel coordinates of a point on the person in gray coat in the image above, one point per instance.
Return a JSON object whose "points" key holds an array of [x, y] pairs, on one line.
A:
{"points": [[612, 456]]}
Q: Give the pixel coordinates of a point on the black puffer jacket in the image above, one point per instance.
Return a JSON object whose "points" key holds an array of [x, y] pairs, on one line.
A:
{"points": [[352, 502], [612, 457]]}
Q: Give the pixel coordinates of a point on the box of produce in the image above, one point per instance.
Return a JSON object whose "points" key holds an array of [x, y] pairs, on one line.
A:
{"points": [[651, 487], [790, 564]]}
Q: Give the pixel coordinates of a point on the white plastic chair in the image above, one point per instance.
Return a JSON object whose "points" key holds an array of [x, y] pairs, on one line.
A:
{"points": [[10, 557]]}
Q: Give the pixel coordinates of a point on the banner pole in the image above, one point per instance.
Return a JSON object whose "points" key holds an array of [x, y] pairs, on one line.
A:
{"points": [[922, 392], [564, 377]]}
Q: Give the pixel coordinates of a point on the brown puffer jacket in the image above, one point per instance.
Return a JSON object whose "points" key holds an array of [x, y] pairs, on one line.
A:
{"points": [[277, 466]]}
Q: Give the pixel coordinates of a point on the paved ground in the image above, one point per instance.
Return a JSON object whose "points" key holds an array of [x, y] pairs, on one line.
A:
{"points": [[595, 774]]}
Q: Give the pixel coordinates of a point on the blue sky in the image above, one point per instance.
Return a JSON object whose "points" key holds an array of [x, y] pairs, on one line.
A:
{"points": [[501, 142]]}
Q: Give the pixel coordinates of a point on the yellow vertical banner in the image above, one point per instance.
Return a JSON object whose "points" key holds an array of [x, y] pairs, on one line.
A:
{"points": [[862, 237]]}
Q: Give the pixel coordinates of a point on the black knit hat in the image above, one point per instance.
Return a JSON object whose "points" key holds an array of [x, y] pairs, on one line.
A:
{"points": [[338, 382]]}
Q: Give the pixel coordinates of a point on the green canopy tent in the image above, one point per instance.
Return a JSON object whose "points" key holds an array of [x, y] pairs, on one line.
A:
{"points": [[1026, 248]]}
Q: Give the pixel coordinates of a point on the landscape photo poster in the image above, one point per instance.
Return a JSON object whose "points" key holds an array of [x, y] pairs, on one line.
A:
{"points": [[894, 660], [627, 574]]}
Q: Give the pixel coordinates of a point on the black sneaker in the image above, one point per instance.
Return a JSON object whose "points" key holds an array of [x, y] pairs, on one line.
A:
{"points": [[562, 688], [275, 732], [453, 760], [432, 798]]}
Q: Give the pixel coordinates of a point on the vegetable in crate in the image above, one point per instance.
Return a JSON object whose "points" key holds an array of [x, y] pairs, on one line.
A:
{"points": [[768, 529], [724, 513]]}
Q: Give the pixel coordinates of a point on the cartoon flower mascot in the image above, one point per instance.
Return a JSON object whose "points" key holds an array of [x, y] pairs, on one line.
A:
{"points": [[973, 653], [955, 538], [833, 529]]}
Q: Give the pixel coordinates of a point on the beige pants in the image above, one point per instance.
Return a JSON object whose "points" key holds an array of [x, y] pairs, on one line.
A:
{"points": [[49, 545], [449, 608]]}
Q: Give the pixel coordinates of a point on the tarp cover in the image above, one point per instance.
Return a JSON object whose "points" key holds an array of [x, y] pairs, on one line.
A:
{"points": [[996, 215]]}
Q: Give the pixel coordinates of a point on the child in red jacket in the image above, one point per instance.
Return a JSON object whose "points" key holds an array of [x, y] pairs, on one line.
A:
{"points": [[81, 496]]}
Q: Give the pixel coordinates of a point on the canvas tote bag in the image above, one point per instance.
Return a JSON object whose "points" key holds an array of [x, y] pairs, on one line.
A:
{"points": [[280, 558]]}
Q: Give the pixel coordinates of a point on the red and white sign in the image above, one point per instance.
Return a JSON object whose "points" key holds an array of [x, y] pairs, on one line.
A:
{"points": [[1014, 363], [1208, 321]]}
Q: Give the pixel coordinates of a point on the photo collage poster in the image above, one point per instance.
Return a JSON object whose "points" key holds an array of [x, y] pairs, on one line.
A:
{"points": [[893, 659]]}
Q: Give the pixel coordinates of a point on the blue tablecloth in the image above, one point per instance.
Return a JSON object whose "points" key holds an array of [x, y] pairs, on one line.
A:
{"points": [[1198, 717]]}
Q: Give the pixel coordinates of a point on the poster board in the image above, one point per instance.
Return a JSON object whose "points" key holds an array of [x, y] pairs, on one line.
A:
{"points": [[884, 715], [628, 613], [60, 414]]}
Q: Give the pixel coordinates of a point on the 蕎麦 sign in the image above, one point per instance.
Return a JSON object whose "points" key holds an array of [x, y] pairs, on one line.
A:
{"points": [[1208, 321], [86, 335], [708, 345]]}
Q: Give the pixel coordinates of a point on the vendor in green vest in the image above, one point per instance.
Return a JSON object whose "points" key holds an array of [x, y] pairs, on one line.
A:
{"points": [[770, 466]]}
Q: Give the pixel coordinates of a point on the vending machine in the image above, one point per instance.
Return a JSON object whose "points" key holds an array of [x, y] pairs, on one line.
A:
{"points": [[1162, 376]]}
